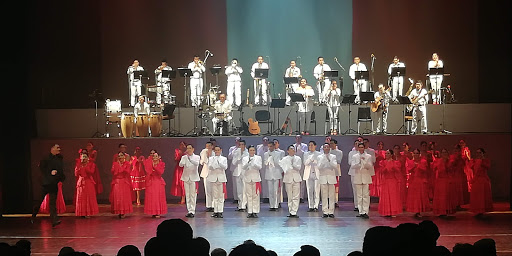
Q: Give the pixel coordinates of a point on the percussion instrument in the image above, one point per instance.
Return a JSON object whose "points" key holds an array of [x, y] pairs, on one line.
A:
{"points": [[221, 116], [113, 110], [127, 124], [155, 124], [171, 100], [152, 88], [142, 124]]}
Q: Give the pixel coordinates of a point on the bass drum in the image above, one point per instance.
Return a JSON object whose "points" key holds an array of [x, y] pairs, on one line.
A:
{"points": [[127, 124], [155, 124]]}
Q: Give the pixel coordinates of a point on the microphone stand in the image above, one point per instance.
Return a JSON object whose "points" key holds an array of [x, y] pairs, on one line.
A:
{"points": [[373, 75]]}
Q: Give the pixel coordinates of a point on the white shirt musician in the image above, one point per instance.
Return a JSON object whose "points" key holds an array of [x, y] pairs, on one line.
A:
{"points": [[359, 84], [273, 174], [134, 82], [397, 82], [217, 165], [305, 107], [196, 81], [311, 176], [190, 163], [251, 165], [292, 71], [236, 162], [436, 80], [383, 97], [163, 83], [333, 105], [327, 166], [260, 85], [291, 165], [204, 156], [361, 172], [234, 87], [222, 112], [233, 167], [141, 108], [419, 98], [322, 84]]}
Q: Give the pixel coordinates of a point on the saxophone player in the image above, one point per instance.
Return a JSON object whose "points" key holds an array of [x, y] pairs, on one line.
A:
{"points": [[163, 83], [333, 105], [234, 87], [260, 85], [306, 106], [292, 71], [134, 82], [359, 84], [196, 80], [323, 84]]}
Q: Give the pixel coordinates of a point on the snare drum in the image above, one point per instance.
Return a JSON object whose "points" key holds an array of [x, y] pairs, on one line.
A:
{"points": [[142, 125], [113, 110], [155, 123], [127, 124]]}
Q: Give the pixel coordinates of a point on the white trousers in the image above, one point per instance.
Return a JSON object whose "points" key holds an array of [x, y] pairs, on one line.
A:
{"points": [[333, 117], [354, 191], [382, 120], [253, 198], [163, 91], [273, 193], [419, 114], [222, 131], [293, 192], [208, 193], [135, 92], [359, 85], [397, 83], [190, 196], [304, 120], [363, 198], [234, 92], [218, 196], [240, 192], [328, 198], [313, 189], [292, 88], [196, 90], [260, 86], [435, 84], [325, 90]]}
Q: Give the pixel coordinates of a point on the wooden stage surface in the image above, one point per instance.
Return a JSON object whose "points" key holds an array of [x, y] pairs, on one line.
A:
{"points": [[105, 233]]}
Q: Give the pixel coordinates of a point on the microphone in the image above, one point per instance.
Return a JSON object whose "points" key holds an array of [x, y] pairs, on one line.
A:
{"points": [[335, 59], [208, 51], [373, 56], [299, 57]]}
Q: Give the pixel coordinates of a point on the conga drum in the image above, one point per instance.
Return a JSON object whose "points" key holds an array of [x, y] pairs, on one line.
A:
{"points": [[127, 124], [155, 124], [142, 125]]}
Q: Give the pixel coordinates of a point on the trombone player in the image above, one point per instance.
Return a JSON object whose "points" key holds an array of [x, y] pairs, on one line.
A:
{"points": [[196, 80], [234, 87]]}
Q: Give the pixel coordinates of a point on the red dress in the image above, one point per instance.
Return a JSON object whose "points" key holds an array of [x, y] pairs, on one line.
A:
{"points": [[389, 200], [121, 193], [402, 182], [481, 194], [375, 188], [442, 203], [61, 205], [96, 176], [86, 203], [417, 193], [458, 182], [154, 201], [138, 176], [177, 186]]}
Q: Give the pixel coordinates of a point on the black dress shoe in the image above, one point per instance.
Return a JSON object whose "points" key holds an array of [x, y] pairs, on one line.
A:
{"points": [[316, 209], [365, 216], [255, 215], [250, 215], [311, 210], [56, 223], [219, 215], [356, 209], [331, 215], [325, 216], [209, 209], [214, 215], [360, 215], [189, 215]]}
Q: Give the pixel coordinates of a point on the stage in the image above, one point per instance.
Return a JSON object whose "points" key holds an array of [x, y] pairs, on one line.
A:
{"points": [[106, 234]]}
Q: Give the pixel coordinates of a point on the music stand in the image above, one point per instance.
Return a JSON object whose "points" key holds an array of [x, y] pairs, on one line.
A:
{"points": [[398, 72], [331, 73], [361, 75], [260, 73], [141, 75], [215, 70], [290, 80], [349, 99], [277, 103], [167, 113], [297, 97], [403, 100], [436, 72], [185, 72]]}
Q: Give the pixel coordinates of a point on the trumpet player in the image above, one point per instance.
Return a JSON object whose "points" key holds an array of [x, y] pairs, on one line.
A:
{"points": [[383, 97], [436, 80], [333, 105], [234, 88], [196, 80], [359, 84], [323, 84], [134, 82], [397, 82], [260, 85], [306, 106], [292, 71], [163, 83], [419, 98]]}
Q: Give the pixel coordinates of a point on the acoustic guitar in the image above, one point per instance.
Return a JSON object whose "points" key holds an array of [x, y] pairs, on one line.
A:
{"points": [[254, 128], [376, 104]]}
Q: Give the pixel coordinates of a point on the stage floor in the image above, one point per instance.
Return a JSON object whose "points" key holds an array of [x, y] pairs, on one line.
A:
{"points": [[105, 233]]}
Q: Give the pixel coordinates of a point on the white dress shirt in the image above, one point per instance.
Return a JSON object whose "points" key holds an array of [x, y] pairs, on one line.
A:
{"points": [[131, 70], [141, 109], [295, 72], [310, 165], [318, 71], [361, 168], [291, 167], [251, 166], [333, 97], [271, 160], [422, 96], [327, 166], [256, 65], [197, 71], [306, 106], [190, 165], [217, 166], [393, 65], [354, 68], [204, 157], [233, 73]]}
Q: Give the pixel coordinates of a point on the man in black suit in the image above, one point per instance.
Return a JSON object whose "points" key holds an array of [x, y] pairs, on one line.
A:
{"points": [[52, 173]]}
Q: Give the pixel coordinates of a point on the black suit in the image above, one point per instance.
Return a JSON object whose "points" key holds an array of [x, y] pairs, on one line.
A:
{"points": [[49, 183]]}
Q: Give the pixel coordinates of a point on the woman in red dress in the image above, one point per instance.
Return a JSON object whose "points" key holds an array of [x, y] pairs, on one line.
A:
{"points": [[442, 203], [402, 181], [155, 203], [137, 174], [390, 203], [380, 155], [481, 194], [86, 204], [121, 193], [93, 153], [417, 194], [177, 186], [468, 171], [458, 178]]}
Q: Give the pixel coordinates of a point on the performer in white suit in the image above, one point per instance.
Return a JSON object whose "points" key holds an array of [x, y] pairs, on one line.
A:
{"points": [[327, 167], [222, 113], [291, 165], [236, 162], [163, 83], [419, 98], [350, 154], [205, 155], [333, 144], [305, 107], [311, 176], [190, 163], [436, 80], [234, 87], [322, 84], [217, 165], [359, 84], [292, 71], [232, 167], [196, 81], [251, 165], [300, 149], [134, 82], [260, 85], [273, 174], [361, 170], [333, 105], [397, 82]]}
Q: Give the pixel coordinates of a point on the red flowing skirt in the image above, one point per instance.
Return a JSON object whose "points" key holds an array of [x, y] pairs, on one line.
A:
{"points": [[86, 203], [389, 200], [61, 205], [154, 201], [138, 180], [375, 187], [481, 195], [177, 185], [417, 196], [121, 198], [442, 203], [457, 190]]}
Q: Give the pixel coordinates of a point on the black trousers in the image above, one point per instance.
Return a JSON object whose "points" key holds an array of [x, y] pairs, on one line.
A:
{"points": [[51, 190]]}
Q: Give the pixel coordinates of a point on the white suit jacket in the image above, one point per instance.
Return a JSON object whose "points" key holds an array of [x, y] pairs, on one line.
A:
{"points": [[251, 168], [291, 167], [217, 166], [189, 164], [236, 161], [204, 161], [271, 160], [327, 166], [310, 165], [339, 156], [361, 168]]}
